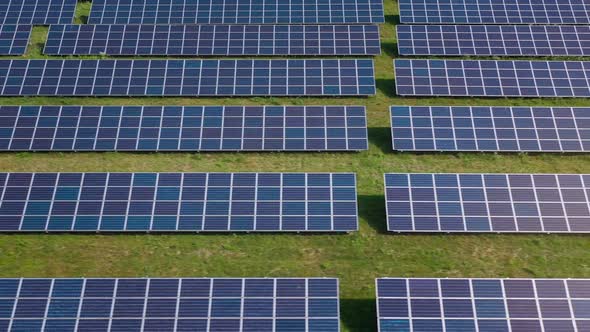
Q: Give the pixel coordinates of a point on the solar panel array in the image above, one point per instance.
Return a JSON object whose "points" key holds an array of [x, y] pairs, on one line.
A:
{"points": [[234, 40], [236, 12], [177, 128], [527, 203], [494, 11], [494, 40], [178, 202], [185, 304], [37, 11], [14, 39], [491, 78], [464, 128], [186, 77], [484, 305]]}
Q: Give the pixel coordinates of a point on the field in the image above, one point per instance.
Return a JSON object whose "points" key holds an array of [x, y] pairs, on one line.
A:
{"points": [[355, 258]]}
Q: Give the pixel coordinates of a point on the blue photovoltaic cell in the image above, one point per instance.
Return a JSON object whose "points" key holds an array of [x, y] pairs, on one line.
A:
{"points": [[490, 78], [186, 77], [170, 304], [494, 11], [483, 305], [514, 129], [234, 40], [236, 12], [177, 128], [502, 203], [37, 12], [493, 40], [178, 202], [14, 39]]}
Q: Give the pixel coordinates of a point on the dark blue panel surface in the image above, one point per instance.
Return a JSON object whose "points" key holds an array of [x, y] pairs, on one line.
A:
{"points": [[481, 304], [186, 77], [14, 39], [186, 304], [236, 12], [505, 129], [178, 202], [490, 78], [37, 11], [495, 11], [236, 40], [177, 128], [480, 203], [494, 40]]}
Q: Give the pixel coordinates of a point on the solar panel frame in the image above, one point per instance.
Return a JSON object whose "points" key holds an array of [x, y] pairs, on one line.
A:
{"points": [[213, 40], [481, 304], [38, 12], [171, 304], [494, 40], [487, 203], [491, 78], [236, 12], [178, 202], [292, 77], [496, 128], [183, 128], [493, 12], [14, 38]]}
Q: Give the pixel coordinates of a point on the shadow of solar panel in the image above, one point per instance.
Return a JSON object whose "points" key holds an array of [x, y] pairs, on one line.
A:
{"points": [[490, 78], [494, 11], [177, 128], [493, 40], [503, 129], [171, 304], [37, 11], [502, 203], [486, 305], [236, 40], [14, 39], [236, 12], [178, 202], [186, 77]]}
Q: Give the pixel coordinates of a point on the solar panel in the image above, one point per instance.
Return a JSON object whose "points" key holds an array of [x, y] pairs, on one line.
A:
{"points": [[186, 77], [495, 11], [493, 40], [14, 39], [234, 40], [178, 202], [490, 78], [37, 12], [236, 12], [170, 304], [177, 128], [503, 203], [484, 305], [514, 129]]}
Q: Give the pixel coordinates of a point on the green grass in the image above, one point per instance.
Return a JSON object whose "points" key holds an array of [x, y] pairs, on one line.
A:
{"points": [[356, 258]]}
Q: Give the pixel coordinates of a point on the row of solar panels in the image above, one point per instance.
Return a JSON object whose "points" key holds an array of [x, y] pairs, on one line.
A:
{"points": [[197, 40], [490, 78], [187, 77], [290, 128], [290, 304], [195, 12], [290, 202], [242, 40], [305, 11]]}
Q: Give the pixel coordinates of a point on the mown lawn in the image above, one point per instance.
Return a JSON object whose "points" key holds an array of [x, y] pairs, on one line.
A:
{"points": [[356, 258]]}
